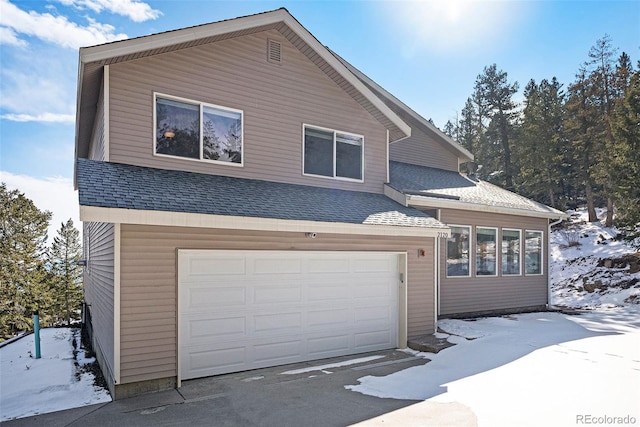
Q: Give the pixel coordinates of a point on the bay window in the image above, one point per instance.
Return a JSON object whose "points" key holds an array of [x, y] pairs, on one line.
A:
{"points": [[486, 244], [533, 252], [510, 251], [458, 252]]}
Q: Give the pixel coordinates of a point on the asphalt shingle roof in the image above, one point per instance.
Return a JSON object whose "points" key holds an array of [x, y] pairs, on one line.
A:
{"points": [[114, 185], [432, 182]]}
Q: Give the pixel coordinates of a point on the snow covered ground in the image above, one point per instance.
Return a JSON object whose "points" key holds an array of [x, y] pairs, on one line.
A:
{"points": [[576, 277], [537, 369], [540, 369], [56, 381]]}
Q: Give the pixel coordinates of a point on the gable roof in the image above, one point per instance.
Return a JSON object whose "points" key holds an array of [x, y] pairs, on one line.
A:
{"points": [[120, 186], [447, 189], [93, 59], [407, 113]]}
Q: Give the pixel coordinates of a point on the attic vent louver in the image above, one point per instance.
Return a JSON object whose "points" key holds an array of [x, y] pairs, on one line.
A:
{"points": [[274, 51]]}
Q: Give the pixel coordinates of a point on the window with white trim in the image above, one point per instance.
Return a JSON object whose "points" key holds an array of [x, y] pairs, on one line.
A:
{"points": [[458, 251], [511, 252], [486, 246], [332, 154], [198, 131], [533, 252]]}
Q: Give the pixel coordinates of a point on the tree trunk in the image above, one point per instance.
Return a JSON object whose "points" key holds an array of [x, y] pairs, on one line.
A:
{"points": [[591, 209], [609, 220], [552, 199]]}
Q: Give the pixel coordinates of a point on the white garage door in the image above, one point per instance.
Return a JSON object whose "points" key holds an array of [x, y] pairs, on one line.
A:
{"points": [[241, 310]]}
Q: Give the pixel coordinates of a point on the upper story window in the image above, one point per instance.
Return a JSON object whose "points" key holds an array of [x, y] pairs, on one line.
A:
{"points": [[511, 251], [533, 252], [199, 131], [458, 251], [333, 154]]}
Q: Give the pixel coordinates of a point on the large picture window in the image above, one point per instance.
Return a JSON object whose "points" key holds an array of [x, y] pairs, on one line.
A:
{"points": [[510, 252], [486, 246], [332, 154], [533, 252], [458, 252], [195, 130]]}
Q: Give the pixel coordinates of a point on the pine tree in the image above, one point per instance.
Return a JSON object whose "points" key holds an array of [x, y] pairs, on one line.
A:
{"points": [[601, 75], [582, 124], [627, 161], [494, 95], [66, 274], [542, 146], [23, 277]]}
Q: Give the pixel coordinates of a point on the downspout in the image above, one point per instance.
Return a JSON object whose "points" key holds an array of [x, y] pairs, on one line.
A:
{"points": [[436, 274], [551, 224], [436, 282]]}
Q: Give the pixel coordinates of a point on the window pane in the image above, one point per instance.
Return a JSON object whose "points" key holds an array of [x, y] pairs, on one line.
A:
{"points": [[533, 252], [510, 252], [458, 252], [318, 152], [486, 242], [348, 156], [222, 135], [177, 128]]}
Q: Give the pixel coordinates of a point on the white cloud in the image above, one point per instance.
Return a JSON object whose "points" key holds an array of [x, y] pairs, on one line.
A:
{"points": [[134, 10], [9, 37], [55, 194], [43, 117], [55, 29], [441, 26], [38, 85]]}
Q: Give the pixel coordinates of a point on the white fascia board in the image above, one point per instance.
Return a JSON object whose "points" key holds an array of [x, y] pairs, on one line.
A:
{"points": [[395, 195], [184, 35], [183, 219], [434, 202], [337, 65]]}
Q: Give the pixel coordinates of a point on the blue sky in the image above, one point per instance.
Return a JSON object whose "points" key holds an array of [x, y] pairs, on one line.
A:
{"points": [[427, 53]]}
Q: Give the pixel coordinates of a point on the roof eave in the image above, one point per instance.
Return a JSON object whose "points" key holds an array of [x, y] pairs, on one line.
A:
{"points": [[434, 202], [187, 219], [463, 152]]}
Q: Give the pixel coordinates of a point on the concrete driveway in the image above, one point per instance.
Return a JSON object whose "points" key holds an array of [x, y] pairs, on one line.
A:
{"points": [[268, 397]]}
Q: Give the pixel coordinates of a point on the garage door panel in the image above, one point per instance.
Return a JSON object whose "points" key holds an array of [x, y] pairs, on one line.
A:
{"points": [[204, 266], [278, 323], [332, 265], [277, 351], [207, 329], [327, 291], [334, 318], [371, 339], [277, 266], [213, 361], [206, 297], [372, 314], [274, 294], [285, 307]]}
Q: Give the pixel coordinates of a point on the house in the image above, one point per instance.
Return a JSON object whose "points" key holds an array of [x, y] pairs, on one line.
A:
{"points": [[249, 199]]}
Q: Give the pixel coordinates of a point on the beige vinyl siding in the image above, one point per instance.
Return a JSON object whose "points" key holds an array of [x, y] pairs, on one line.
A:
{"points": [[276, 99], [97, 144], [484, 293], [423, 150], [148, 284], [98, 285]]}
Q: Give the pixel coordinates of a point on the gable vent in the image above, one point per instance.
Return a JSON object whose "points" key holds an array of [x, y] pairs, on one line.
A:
{"points": [[274, 51]]}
